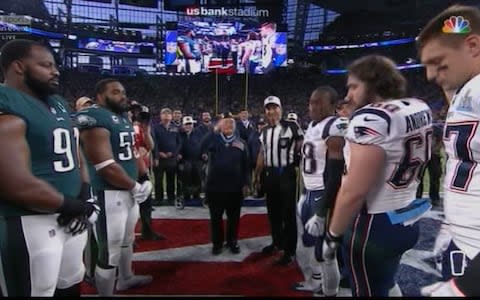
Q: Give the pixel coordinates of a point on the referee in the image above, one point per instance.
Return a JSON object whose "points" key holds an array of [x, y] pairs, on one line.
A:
{"points": [[281, 142]]}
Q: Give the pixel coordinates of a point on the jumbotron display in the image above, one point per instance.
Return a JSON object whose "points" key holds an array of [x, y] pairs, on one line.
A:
{"points": [[225, 48]]}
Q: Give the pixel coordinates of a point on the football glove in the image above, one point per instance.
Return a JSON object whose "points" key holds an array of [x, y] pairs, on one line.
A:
{"points": [[77, 215], [142, 191], [330, 245], [80, 224], [315, 226]]}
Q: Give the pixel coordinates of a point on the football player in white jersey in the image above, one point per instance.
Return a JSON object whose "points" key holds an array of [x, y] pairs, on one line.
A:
{"points": [[449, 47], [322, 167], [387, 146], [268, 33]]}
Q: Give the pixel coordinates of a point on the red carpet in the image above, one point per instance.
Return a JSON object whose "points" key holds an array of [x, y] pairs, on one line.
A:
{"points": [[181, 233], [255, 276]]}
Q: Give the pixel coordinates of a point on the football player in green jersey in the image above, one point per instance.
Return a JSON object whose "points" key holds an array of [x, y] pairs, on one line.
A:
{"points": [[42, 210], [107, 138]]}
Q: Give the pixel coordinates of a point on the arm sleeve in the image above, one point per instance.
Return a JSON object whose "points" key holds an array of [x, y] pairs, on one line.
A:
{"points": [[334, 172], [297, 131]]}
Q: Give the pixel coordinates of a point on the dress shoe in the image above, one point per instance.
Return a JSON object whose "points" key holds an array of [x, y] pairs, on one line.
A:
{"points": [[216, 250], [270, 249], [234, 248], [152, 236], [285, 260]]}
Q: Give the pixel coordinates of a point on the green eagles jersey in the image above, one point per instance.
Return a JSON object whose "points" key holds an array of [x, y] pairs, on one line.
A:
{"points": [[51, 140], [121, 140]]}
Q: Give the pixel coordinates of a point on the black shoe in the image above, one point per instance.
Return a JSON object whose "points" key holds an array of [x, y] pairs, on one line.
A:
{"points": [[234, 248], [285, 260], [270, 249], [217, 250], [345, 283], [152, 236]]}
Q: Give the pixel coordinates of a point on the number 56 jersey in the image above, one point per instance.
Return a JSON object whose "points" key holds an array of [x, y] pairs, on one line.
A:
{"points": [[403, 129], [461, 138], [121, 139]]}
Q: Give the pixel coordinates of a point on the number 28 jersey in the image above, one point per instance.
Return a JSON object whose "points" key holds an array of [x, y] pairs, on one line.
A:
{"points": [[122, 139], [461, 138], [314, 150], [403, 129]]}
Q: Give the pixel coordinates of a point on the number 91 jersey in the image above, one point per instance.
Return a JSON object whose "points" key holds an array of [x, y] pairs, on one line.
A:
{"points": [[462, 145], [314, 149], [51, 140], [122, 139], [403, 129]]}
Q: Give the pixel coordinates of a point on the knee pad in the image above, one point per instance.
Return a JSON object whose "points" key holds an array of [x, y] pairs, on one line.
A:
{"points": [[44, 268], [65, 282], [114, 257]]}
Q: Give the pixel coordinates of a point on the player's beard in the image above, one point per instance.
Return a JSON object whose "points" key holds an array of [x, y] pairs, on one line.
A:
{"points": [[116, 107], [41, 89]]}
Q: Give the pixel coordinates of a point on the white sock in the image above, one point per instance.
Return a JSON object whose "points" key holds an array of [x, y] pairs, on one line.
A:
{"points": [[330, 277], [316, 271], [105, 281], [125, 267]]}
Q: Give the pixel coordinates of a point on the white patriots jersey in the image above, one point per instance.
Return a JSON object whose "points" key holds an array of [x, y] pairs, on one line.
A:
{"points": [[314, 149], [267, 49], [461, 138], [403, 129]]}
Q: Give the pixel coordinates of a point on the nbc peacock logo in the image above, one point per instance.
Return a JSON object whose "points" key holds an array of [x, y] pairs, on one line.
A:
{"points": [[456, 24]]}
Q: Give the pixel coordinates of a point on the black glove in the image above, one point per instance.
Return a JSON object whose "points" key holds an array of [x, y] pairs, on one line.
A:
{"points": [[77, 214]]}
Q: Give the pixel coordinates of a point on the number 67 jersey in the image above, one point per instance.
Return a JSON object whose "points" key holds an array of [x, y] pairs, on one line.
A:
{"points": [[461, 186]]}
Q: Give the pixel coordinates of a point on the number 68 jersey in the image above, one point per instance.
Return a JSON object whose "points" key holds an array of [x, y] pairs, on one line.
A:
{"points": [[122, 139], [461, 138], [314, 149], [403, 129]]}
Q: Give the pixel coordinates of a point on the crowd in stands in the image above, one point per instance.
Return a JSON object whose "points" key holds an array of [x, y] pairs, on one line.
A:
{"points": [[194, 94]]}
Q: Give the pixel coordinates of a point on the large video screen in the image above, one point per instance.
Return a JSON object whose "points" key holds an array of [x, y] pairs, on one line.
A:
{"points": [[116, 46], [225, 48]]}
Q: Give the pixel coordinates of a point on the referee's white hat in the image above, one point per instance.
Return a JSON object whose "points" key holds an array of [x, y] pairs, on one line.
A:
{"points": [[272, 100]]}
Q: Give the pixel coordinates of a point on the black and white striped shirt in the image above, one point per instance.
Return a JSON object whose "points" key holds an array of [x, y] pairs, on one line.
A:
{"points": [[279, 143]]}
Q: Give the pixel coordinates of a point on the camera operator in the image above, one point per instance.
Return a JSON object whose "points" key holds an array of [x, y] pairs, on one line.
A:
{"points": [[144, 144]]}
